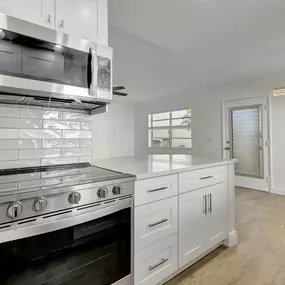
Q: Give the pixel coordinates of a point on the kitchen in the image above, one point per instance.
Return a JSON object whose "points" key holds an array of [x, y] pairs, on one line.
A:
{"points": [[102, 184]]}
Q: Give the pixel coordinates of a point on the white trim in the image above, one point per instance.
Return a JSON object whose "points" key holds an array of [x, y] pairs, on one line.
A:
{"points": [[278, 190], [231, 240], [254, 183], [270, 150]]}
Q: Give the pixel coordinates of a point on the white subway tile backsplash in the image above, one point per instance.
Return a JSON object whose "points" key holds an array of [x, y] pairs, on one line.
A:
{"points": [[41, 134], [8, 155], [86, 143], [10, 112], [58, 143], [34, 136], [20, 123], [76, 151], [61, 125], [39, 153], [20, 163], [20, 144], [61, 160], [40, 114], [8, 133], [77, 134], [76, 116], [85, 159], [86, 126]]}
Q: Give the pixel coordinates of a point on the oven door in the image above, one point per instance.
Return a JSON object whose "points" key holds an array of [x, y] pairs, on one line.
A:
{"points": [[97, 252]]}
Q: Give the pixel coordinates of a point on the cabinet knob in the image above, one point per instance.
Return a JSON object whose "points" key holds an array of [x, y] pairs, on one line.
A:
{"points": [[49, 18], [61, 24]]}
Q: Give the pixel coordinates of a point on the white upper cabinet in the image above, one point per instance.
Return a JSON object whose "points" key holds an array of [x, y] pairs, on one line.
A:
{"points": [[78, 18], [40, 12], [86, 19]]}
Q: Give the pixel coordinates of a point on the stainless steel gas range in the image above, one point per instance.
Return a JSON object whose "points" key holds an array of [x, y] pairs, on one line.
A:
{"points": [[66, 224]]}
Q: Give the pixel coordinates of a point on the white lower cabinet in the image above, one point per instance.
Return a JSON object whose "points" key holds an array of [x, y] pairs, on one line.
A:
{"points": [[216, 218], [202, 221], [155, 221], [191, 226], [156, 262]]}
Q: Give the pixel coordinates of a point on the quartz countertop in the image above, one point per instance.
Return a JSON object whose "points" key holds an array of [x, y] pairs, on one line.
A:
{"points": [[159, 164]]}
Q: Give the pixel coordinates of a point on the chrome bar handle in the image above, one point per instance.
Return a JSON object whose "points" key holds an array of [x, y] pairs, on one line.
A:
{"points": [[205, 205], [158, 189], [150, 268], [158, 223], [211, 203], [204, 211], [206, 177]]}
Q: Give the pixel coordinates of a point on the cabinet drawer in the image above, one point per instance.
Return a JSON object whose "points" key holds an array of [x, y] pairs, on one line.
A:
{"points": [[156, 262], [154, 189], [196, 179], [155, 221]]}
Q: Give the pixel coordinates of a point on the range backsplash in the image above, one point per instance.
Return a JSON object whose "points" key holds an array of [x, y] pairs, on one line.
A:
{"points": [[40, 136]]}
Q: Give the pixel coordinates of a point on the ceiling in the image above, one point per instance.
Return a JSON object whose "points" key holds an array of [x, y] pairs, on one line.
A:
{"points": [[166, 47]]}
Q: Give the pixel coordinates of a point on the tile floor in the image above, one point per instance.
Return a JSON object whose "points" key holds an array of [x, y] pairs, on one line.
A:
{"points": [[259, 258]]}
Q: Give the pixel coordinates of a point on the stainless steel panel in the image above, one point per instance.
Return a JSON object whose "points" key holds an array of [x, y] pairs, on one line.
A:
{"points": [[32, 30]]}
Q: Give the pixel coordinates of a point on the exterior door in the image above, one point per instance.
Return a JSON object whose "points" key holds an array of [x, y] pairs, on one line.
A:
{"points": [[246, 139], [40, 12], [77, 18], [191, 225]]}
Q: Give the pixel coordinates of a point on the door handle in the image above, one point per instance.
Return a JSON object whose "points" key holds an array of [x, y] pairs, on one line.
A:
{"points": [[206, 177], [158, 223], [61, 24], [157, 189], [211, 203], [163, 260], [205, 205]]}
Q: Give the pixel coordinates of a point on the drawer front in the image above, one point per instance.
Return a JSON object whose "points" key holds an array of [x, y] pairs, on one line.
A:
{"points": [[154, 189], [156, 262], [155, 221], [196, 179]]}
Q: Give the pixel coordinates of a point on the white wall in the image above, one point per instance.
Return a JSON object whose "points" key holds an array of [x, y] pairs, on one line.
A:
{"points": [[113, 132], [207, 119]]}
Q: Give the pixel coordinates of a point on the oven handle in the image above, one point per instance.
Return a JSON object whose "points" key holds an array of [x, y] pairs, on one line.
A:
{"points": [[55, 223]]}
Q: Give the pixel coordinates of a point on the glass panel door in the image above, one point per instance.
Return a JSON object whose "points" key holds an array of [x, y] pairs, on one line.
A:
{"points": [[246, 140]]}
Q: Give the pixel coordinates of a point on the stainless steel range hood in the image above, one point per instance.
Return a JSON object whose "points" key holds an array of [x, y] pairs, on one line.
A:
{"points": [[43, 67]]}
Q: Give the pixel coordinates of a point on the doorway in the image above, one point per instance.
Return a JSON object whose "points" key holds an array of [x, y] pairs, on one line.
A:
{"points": [[246, 139]]}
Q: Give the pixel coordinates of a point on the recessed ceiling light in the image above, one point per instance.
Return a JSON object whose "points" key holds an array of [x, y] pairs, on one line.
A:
{"points": [[279, 91]]}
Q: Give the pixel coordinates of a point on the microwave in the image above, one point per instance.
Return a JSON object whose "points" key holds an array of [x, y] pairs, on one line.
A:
{"points": [[43, 67]]}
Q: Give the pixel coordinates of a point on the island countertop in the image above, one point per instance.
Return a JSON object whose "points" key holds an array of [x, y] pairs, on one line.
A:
{"points": [[159, 164]]}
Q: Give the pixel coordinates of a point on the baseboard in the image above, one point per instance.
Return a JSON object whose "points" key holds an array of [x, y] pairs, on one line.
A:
{"points": [[278, 190], [231, 240]]}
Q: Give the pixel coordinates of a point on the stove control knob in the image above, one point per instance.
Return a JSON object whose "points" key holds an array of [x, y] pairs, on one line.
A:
{"points": [[117, 189], [74, 198], [40, 204], [102, 192], [14, 210]]}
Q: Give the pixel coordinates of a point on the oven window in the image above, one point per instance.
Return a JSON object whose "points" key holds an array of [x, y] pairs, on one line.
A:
{"points": [[32, 58], [96, 252]]}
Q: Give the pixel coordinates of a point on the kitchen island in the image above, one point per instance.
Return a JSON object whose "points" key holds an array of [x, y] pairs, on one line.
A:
{"points": [[184, 209]]}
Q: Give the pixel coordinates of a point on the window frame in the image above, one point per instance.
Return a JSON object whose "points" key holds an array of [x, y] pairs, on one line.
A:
{"points": [[170, 129]]}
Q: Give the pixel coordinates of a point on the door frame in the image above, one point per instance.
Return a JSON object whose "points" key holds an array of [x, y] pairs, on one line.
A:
{"points": [[242, 181]]}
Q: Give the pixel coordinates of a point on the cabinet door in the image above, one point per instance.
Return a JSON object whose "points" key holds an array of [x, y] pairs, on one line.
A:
{"points": [[103, 22], [191, 225], [217, 214], [40, 12], [77, 18]]}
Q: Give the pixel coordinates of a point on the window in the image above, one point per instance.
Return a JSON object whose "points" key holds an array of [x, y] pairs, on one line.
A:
{"points": [[170, 129]]}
